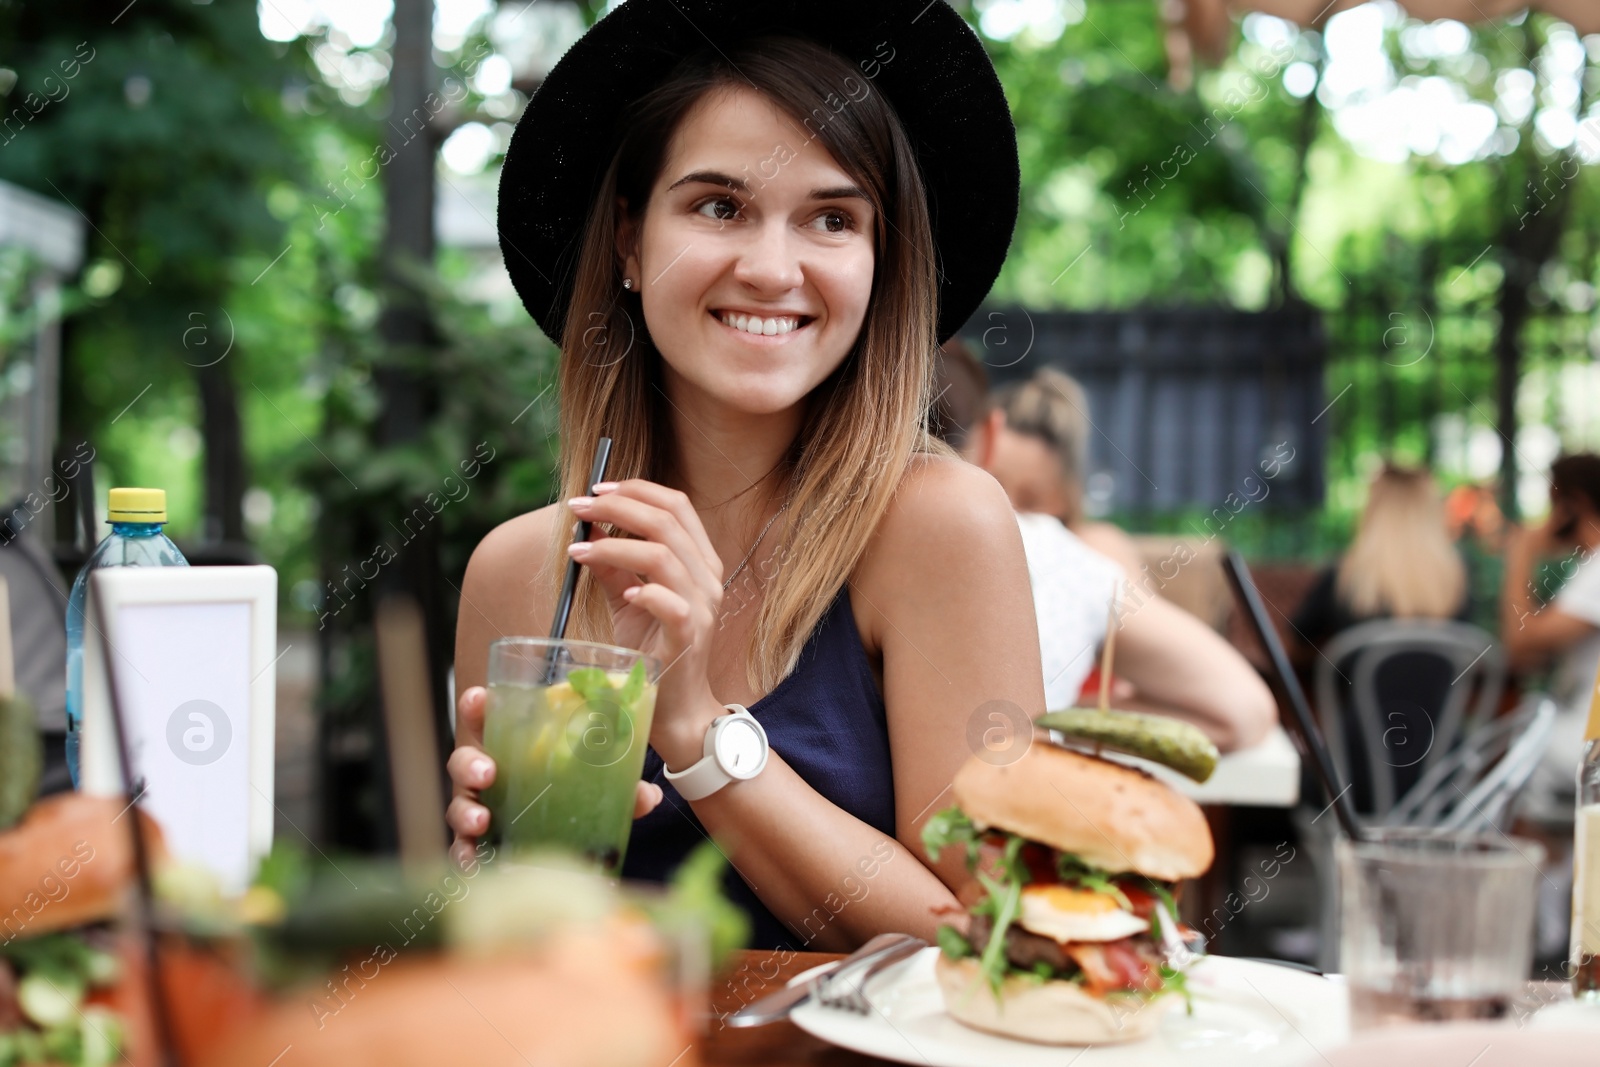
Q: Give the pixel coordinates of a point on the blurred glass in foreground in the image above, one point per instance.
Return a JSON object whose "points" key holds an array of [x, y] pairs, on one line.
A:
{"points": [[1435, 926]]}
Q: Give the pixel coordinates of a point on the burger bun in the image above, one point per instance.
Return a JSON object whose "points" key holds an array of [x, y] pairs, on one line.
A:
{"points": [[1116, 817], [1053, 1012]]}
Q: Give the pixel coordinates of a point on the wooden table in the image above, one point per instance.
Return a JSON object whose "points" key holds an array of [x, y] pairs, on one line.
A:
{"points": [[751, 974]]}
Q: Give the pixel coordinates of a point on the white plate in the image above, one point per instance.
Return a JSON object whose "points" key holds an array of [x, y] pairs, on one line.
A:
{"points": [[1246, 1014]]}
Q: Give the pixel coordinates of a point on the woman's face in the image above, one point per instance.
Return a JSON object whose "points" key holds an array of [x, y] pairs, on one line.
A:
{"points": [[1029, 472], [755, 257]]}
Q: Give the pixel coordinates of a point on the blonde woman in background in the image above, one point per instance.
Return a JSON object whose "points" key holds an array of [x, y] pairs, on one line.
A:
{"points": [[1401, 565], [1041, 458]]}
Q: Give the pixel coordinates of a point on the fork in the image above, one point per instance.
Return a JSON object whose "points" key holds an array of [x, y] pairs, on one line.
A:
{"points": [[847, 995]]}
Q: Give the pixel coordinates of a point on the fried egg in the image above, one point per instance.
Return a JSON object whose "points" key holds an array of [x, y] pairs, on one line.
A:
{"points": [[1072, 913]]}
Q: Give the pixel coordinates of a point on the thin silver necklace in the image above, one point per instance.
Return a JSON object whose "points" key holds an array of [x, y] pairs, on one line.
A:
{"points": [[759, 538]]}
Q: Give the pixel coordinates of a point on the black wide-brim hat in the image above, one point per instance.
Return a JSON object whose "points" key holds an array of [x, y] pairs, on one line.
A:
{"points": [[938, 79]]}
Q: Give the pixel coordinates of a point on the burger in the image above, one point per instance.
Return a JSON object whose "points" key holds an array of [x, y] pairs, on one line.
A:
{"points": [[1071, 936]]}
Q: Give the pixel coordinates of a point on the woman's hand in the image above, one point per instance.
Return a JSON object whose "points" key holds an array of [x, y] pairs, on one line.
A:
{"points": [[471, 770], [664, 589]]}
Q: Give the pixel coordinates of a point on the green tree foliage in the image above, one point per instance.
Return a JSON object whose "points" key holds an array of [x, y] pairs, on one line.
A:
{"points": [[163, 127]]}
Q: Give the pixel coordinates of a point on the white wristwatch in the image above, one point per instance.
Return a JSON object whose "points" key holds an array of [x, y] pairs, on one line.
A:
{"points": [[735, 750]]}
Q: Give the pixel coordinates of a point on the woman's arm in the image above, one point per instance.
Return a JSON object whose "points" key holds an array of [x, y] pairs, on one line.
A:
{"points": [[943, 593], [1115, 544], [507, 592], [1183, 668], [1532, 633]]}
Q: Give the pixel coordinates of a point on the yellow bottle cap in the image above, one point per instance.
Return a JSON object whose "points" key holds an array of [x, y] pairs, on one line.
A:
{"points": [[137, 505]]}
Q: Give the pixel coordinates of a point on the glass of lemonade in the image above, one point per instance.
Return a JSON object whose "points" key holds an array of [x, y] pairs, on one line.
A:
{"points": [[566, 723]]}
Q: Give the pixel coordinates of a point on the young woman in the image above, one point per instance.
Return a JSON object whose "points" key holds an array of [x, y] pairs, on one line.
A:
{"points": [[738, 257], [1401, 565], [1041, 457], [1175, 664]]}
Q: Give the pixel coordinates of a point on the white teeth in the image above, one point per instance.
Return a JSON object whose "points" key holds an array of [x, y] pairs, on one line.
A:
{"points": [[758, 325]]}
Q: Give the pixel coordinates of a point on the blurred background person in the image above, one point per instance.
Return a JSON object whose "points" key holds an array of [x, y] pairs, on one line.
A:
{"points": [[1167, 661], [1561, 633], [1401, 565], [1040, 456], [1478, 529]]}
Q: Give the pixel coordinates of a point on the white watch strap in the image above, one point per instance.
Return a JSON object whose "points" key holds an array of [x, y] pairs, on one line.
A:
{"points": [[706, 775]]}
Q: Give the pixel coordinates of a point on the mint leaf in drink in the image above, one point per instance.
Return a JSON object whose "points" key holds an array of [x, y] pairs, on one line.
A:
{"points": [[589, 682], [633, 687]]}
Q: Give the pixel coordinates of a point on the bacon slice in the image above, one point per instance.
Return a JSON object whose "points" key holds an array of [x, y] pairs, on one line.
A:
{"points": [[1114, 965]]}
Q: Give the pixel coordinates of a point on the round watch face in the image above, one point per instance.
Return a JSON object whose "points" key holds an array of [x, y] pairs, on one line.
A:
{"points": [[739, 748]]}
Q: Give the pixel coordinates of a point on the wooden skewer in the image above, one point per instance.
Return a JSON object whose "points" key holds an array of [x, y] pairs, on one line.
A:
{"points": [[8, 677], [1108, 653]]}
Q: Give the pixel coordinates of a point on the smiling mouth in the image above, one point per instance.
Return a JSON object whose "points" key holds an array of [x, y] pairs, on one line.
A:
{"points": [[762, 327]]}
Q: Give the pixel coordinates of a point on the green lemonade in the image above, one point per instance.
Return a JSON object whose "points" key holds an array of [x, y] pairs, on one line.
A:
{"points": [[566, 757]]}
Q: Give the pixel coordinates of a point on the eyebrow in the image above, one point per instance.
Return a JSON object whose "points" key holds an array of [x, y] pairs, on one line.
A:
{"points": [[712, 177]]}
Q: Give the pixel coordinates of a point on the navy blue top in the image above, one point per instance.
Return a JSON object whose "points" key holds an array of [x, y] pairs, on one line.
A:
{"points": [[826, 719]]}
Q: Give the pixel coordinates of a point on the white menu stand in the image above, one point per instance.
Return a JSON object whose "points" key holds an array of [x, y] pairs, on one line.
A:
{"points": [[193, 651]]}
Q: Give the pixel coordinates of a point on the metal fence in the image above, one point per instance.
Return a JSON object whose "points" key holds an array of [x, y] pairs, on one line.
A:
{"points": [[1185, 403], [1188, 403]]}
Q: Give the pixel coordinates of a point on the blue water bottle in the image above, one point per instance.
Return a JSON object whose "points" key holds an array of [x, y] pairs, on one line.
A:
{"points": [[136, 540]]}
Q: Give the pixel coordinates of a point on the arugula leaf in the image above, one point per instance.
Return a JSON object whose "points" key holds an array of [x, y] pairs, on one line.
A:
{"points": [[1175, 981], [1010, 862], [1164, 894], [950, 827], [992, 963], [1073, 869], [952, 944]]}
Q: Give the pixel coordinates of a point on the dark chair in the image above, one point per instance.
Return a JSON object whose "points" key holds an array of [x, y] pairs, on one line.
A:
{"points": [[1475, 787], [1395, 696]]}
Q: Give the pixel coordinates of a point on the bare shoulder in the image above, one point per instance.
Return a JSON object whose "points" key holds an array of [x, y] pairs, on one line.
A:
{"points": [[944, 503], [520, 544], [507, 589], [948, 523]]}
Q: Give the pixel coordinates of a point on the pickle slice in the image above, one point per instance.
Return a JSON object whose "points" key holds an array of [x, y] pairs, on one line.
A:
{"points": [[1168, 742]]}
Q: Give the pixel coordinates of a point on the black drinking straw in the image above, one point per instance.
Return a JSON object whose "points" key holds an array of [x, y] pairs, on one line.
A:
{"points": [[1310, 736], [569, 584]]}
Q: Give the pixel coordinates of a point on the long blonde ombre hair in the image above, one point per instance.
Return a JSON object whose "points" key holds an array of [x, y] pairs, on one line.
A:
{"points": [[1403, 563], [862, 424]]}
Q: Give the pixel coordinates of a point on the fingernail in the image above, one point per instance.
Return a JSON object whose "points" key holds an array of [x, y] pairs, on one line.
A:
{"points": [[580, 550], [579, 502], [603, 487], [630, 593], [481, 767]]}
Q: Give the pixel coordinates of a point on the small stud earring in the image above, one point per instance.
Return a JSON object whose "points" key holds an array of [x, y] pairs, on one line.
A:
{"points": [[627, 283]]}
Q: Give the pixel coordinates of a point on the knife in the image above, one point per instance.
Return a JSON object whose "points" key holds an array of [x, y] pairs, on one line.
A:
{"points": [[880, 951]]}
